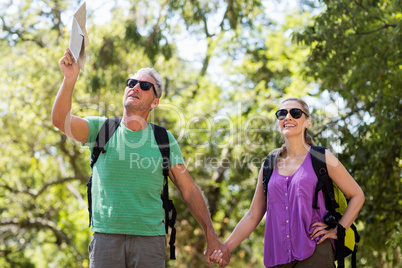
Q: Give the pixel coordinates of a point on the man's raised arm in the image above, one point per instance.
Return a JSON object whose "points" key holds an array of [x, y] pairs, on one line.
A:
{"points": [[73, 126]]}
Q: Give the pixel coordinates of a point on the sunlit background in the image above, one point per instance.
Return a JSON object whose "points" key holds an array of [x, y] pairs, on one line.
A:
{"points": [[226, 67]]}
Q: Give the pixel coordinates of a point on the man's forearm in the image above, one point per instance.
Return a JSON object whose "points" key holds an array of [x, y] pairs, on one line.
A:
{"points": [[198, 208], [62, 104]]}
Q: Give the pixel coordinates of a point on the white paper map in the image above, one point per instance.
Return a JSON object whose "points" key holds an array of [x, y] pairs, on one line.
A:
{"points": [[79, 38]]}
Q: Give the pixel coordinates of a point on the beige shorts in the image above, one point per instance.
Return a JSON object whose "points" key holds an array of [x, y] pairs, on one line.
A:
{"points": [[121, 251]]}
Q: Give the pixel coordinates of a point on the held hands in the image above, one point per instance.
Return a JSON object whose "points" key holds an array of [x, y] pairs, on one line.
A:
{"points": [[216, 248], [217, 257], [69, 67], [320, 229], [222, 257]]}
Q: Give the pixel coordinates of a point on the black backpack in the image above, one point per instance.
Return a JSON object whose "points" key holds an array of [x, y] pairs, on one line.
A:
{"points": [[162, 139], [331, 195]]}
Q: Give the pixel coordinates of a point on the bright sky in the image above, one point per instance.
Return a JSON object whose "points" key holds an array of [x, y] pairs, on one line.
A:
{"points": [[100, 9], [189, 48]]}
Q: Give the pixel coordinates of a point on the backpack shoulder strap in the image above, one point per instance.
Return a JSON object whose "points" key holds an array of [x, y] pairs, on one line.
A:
{"points": [[105, 133], [324, 181], [162, 139], [269, 165]]}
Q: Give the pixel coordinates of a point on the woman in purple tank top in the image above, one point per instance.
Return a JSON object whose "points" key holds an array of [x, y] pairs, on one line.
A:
{"points": [[295, 233]]}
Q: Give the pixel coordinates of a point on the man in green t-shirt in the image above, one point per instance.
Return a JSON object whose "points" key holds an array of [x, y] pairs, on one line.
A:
{"points": [[127, 213]]}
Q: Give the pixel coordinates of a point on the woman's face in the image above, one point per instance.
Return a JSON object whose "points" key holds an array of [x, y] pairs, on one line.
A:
{"points": [[290, 126]]}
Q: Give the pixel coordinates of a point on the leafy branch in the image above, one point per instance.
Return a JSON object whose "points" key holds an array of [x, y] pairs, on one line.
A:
{"points": [[376, 30], [38, 223], [35, 194], [21, 34]]}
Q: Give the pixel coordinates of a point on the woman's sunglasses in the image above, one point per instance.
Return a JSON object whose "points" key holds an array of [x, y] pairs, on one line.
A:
{"points": [[144, 85], [296, 113]]}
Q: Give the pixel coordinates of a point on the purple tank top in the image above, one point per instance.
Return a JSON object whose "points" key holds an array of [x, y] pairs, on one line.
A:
{"points": [[290, 214]]}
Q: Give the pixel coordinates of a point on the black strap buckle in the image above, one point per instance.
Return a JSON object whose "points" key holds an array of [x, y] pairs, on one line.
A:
{"points": [[331, 221]]}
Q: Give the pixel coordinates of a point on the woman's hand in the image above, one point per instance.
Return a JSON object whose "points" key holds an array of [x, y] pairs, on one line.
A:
{"points": [[320, 230], [216, 257]]}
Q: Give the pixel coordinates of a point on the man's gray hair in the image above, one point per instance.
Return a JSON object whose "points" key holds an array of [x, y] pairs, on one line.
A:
{"points": [[154, 74]]}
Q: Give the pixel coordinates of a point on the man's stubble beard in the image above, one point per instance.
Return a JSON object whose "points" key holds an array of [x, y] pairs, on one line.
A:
{"points": [[134, 107]]}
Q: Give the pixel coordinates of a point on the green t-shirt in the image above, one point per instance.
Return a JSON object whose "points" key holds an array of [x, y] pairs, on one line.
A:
{"points": [[127, 181]]}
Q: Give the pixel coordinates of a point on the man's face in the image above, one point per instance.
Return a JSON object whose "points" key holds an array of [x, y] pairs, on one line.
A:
{"points": [[138, 99]]}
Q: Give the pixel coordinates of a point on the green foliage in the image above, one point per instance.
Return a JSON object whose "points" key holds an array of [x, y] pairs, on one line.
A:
{"points": [[222, 114]]}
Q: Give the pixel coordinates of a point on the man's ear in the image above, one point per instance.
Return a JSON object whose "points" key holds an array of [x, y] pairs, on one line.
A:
{"points": [[155, 103]]}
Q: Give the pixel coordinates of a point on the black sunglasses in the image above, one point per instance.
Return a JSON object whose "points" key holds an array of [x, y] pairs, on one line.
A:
{"points": [[296, 113], [144, 85]]}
